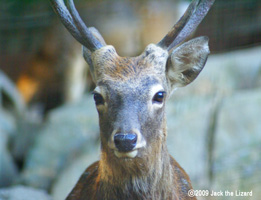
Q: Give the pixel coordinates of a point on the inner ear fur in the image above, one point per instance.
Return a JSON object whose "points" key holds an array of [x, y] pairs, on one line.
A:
{"points": [[186, 62]]}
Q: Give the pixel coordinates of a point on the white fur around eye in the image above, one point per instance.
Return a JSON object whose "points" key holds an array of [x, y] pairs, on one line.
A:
{"points": [[98, 90], [153, 91]]}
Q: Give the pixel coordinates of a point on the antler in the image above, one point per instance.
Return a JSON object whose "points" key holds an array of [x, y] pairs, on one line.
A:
{"points": [[74, 24], [194, 14]]}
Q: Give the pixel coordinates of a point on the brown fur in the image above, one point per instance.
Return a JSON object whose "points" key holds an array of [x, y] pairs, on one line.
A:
{"points": [[161, 178], [110, 66]]}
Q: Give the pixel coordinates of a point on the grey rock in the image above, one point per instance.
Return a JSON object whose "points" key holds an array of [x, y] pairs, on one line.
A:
{"points": [[8, 169], [7, 121], [27, 130], [70, 130], [188, 122], [70, 175], [237, 154], [23, 193], [239, 120]]}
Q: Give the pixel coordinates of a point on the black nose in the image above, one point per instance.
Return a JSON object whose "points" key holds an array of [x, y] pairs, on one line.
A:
{"points": [[125, 142]]}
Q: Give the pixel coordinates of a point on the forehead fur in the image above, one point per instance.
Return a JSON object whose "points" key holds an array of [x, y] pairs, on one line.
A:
{"points": [[109, 65]]}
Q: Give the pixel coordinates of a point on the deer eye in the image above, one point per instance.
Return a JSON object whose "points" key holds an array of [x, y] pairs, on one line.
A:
{"points": [[159, 97], [98, 99]]}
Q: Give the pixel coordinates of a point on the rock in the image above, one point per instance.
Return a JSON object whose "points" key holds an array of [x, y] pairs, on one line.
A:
{"points": [[69, 131], [69, 177], [8, 169], [7, 121], [188, 122], [23, 193], [237, 154], [239, 121], [27, 130]]}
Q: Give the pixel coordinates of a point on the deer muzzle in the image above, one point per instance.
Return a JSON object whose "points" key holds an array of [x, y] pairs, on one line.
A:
{"points": [[126, 145]]}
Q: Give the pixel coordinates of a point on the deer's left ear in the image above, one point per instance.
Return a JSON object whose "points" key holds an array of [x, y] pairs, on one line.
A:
{"points": [[186, 62]]}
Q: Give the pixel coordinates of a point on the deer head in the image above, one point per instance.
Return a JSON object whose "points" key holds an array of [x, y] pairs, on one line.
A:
{"points": [[131, 92]]}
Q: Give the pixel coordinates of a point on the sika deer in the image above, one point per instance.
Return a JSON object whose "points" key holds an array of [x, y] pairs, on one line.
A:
{"points": [[130, 98]]}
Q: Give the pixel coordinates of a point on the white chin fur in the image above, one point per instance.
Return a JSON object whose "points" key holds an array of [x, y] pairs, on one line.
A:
{"points": [[131, 154]]}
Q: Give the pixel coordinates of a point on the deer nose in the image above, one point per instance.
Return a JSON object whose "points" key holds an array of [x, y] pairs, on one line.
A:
{"points": [[125, 142]]}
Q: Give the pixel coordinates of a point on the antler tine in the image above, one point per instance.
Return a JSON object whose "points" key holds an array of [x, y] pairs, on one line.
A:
{"points": [[74, 24], [172, 34], [194, 14], [66, 18], [91, 41]]}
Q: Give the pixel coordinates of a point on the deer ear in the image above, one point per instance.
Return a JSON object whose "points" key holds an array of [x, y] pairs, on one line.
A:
{"points": [[186, 62], [87, 53]]}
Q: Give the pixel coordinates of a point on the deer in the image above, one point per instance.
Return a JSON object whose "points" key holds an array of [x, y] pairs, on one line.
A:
{"points": [[130, 97]]}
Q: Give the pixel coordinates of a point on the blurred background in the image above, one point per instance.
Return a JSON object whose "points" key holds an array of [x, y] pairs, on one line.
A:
{"points": [[48, 123]]}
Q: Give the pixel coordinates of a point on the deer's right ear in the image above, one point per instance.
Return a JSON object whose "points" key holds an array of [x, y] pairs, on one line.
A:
{"points": [[186, 62], [87, 53]]}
